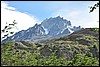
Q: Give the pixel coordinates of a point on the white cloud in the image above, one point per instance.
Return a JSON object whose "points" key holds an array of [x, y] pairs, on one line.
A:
{"points": [[80, 17], [5, 6], [8, 14], [24, 20]]}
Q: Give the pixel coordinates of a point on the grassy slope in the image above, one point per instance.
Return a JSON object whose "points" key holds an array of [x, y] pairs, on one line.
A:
{"points": [[82, 41]]}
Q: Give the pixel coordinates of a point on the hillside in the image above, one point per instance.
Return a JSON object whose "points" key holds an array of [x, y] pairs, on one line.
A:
{"points": [[69, 47]]}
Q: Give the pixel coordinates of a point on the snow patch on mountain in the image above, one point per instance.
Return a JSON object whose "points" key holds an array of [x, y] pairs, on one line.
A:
{"points": [[63, 30], [27, 30], [70, 30], [46, 31], [13, 37]]}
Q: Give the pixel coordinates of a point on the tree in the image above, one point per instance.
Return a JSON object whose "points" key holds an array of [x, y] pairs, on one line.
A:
{"points": [[7, 29], [83, 60], [94, 7]]}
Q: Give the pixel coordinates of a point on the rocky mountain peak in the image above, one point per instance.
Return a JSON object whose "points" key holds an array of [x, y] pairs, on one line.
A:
{"points": [[52, 27]]}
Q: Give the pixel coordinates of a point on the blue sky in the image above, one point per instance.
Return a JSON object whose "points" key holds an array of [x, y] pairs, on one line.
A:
{"points": [[28, 13], [45, 9]]}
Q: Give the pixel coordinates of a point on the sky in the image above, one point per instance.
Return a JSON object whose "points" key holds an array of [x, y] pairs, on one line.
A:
{"points": [[28, 13]]}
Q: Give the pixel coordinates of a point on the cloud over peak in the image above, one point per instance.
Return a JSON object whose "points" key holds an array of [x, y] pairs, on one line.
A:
{"points": [[8, 14]]}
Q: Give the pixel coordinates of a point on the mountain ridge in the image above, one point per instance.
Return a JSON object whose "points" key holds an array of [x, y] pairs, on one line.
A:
{"points": [[50, 28]]}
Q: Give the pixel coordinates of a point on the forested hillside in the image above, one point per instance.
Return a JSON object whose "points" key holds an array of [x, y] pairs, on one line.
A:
{"points": [[80, 48]]}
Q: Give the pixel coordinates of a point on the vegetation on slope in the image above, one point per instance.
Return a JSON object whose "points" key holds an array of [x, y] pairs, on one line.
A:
{"points": [[81, 48]]}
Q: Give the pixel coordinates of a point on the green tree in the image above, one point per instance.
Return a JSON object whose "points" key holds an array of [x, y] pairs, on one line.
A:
{"points": [[83, 60], [7, 30], [92, 8]]}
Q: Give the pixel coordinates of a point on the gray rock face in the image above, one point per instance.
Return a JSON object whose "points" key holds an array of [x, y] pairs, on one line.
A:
{"points": [[55, 25], [46, 30]]}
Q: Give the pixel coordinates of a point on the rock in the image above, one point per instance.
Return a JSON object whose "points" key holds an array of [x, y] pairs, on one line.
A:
{"points": [[64, 53], [45, 51], [84, 42]]}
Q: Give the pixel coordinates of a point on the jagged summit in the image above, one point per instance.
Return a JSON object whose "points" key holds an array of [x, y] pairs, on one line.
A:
{"points": [[51, 27]]}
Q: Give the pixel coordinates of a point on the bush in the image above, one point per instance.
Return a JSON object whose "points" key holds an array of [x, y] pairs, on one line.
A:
{"points": [[83, 60]]}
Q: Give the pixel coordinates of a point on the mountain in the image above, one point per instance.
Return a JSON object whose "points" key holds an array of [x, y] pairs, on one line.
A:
{"points": [[48, 29], [57, 26], [84, 41]]}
